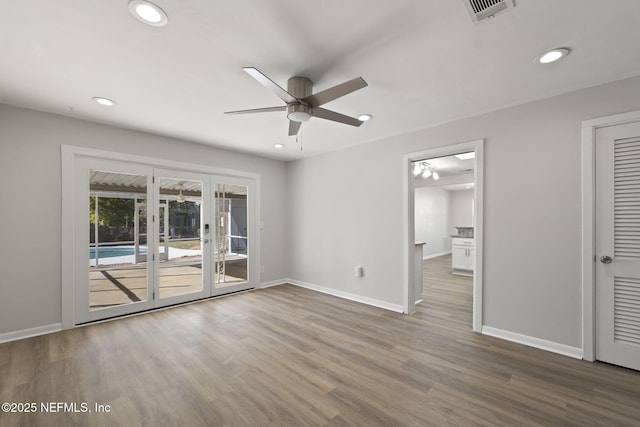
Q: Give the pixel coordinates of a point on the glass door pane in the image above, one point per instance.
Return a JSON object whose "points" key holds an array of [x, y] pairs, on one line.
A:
{"points": [[112, 276], [181, 219], [231, 235], [116, 277]]}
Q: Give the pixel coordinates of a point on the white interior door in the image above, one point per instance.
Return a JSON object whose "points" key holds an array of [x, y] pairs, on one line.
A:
{"points": [[618, 245]]}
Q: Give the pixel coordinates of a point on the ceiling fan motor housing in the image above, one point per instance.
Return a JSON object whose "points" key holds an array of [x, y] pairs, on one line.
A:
{"points": [[299, 87]]}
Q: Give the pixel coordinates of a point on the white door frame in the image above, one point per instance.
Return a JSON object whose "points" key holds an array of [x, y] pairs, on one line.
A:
{"points": [[409, 218], [69, 156], [80, 208], [589, 128]]}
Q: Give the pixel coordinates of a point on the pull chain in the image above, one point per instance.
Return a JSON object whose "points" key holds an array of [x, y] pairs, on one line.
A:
{"points": [[299, 138]]}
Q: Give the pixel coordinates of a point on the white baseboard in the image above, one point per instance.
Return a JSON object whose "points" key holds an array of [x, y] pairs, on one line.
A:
{"points": [[424, 258], [551, 346], [273, 283], [31, 332], [346, 295]]}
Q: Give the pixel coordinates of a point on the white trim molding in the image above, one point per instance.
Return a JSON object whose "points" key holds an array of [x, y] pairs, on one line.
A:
{"points": [[346, 295], [527, 340], [589, 128], [272, 283], [31, 332]]}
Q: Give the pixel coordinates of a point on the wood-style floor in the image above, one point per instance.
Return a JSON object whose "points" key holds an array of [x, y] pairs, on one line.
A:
{"points": [[287, 356]]}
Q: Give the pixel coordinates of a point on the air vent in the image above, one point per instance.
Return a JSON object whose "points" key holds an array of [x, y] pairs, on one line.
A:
{"points": [[479, 10]]}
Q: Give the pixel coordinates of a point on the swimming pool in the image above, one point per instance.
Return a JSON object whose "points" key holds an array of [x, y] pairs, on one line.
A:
{"points": [[115, 251]]}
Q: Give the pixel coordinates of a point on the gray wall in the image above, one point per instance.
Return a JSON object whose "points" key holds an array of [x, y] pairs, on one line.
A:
{"points": [[350, 216], [344, 215], [461, 209], [432, 226], [30, 210]]}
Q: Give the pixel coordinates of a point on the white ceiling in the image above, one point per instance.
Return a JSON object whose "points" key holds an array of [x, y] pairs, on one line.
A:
{"points": [[425, 61]]}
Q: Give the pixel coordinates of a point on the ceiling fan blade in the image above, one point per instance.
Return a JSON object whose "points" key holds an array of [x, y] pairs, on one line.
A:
{"points": [[294, 127], [269, 84], [322, 97], [258, 110], [336, 117]]}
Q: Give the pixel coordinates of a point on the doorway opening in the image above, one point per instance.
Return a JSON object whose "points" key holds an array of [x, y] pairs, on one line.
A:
{"points": [[443, 215], [444, 228]]}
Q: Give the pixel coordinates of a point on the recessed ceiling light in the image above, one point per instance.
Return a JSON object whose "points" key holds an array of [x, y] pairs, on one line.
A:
{"points": [[148, 13], [554, 55], [278, 145], [466, 156], [365, 117], [104, 101]]}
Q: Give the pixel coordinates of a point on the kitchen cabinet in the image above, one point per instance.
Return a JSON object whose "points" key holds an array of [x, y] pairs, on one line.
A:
{"points": [[463, 255]]}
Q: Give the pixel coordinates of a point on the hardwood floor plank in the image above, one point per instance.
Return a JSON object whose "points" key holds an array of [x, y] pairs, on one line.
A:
{"points": [[287, 356]]}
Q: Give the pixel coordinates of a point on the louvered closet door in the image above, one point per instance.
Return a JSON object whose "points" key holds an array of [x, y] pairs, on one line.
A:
{"points": [[618, 245]]}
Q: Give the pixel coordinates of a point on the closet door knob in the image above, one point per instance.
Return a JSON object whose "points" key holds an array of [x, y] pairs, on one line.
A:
{"points": [[606, 259]]}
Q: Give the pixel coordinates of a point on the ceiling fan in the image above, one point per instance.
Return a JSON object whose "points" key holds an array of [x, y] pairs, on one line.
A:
{"points": [[193, 195], [301, 103]]}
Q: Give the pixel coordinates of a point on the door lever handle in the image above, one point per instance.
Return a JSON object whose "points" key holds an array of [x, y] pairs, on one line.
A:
{"points": [[605, 259]]}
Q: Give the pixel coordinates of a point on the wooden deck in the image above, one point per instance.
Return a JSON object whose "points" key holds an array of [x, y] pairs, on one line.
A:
{"points": [[118, 285]]}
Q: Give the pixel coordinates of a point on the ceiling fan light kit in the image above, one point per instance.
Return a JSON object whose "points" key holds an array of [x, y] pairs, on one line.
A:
{"points": [[425, 170], [302, 103], [180, 197]]}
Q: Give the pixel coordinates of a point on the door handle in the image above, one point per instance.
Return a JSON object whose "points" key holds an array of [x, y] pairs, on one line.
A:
{"points": [[605, 259]]}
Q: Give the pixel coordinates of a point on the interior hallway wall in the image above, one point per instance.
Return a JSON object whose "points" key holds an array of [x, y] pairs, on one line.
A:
{"points": [[519, 296], [432, 226]]}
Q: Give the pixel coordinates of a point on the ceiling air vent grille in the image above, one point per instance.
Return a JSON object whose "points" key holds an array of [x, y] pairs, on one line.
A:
{"points": [[479, 10]]}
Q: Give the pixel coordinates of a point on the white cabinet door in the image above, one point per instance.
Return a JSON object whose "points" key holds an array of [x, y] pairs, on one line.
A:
{"points": [[459, 257], [463, 254], [472, 258]]}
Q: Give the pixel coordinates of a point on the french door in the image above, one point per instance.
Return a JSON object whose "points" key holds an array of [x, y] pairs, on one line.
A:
{"points": [[157, 237]]}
